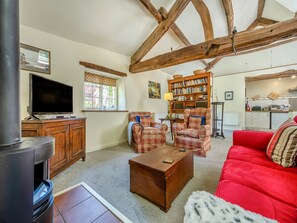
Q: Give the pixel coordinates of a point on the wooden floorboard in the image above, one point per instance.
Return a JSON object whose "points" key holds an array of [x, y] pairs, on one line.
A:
{"points": [[78, 205]]}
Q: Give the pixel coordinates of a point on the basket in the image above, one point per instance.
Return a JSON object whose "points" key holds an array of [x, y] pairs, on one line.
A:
{"points": [[177, 76], [201, 71]]}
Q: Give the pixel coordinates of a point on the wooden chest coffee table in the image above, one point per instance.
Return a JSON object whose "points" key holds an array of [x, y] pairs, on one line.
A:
{"points": [[161, 182]]}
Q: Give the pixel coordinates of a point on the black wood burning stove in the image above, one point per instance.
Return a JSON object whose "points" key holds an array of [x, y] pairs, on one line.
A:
{"points": [[25, 188]]}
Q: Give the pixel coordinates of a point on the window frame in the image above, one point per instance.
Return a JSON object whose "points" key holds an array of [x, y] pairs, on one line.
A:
{"points": [[100, 97]]}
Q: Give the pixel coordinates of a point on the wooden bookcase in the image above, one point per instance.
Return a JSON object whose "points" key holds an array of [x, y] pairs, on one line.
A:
{"points": [[70, 137], [189, 92]]}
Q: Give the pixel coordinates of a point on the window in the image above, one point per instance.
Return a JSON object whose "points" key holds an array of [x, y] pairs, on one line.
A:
{"points": [[99, 92]]}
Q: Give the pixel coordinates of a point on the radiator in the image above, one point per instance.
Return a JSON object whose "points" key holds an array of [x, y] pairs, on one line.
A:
{"points": [[231, 118]]}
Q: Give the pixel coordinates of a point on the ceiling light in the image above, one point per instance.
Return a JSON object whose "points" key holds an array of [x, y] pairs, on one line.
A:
{"points": [[279, 79], [294, 76]]}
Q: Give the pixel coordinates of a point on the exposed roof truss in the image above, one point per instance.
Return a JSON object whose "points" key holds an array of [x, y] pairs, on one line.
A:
{"points": [[263, 32]]}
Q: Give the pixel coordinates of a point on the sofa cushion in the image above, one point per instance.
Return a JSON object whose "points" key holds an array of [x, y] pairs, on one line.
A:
{"points": [[250, 199], [195, 122], [193, 133], [282, 148], [255, 156], [260, 139], [279, 185]]}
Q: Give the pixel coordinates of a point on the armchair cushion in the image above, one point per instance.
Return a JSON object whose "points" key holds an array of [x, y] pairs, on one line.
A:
{"points": [[145, 121], [194, 122], [203, 121], [178, 126], [163, 127], [193, 133]]}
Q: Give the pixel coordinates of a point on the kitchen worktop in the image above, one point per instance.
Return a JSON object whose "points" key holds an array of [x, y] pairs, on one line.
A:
{"points": [[274, 111]]}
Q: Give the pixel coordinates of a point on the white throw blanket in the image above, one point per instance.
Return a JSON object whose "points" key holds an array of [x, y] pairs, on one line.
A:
{"points": [[204, 207], [130, 125]]}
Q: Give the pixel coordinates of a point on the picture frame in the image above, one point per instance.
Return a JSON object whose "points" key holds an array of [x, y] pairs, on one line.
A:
{"points": [[154, 90], [35, 59], [228, 95]]}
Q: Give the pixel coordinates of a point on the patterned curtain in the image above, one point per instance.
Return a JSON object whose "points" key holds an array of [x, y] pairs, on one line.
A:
{"points": [[99, 79]]}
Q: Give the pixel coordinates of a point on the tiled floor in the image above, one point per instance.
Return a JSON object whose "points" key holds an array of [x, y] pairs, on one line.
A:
{"points": [[78, 205]]}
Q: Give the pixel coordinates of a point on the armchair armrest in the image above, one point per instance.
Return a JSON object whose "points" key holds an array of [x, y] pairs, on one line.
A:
{"points": [[253, 139], [136, 132], [163, 127], [204, 131]]}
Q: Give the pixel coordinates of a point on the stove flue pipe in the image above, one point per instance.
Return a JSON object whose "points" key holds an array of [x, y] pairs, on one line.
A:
{"points": [[10, 121]]}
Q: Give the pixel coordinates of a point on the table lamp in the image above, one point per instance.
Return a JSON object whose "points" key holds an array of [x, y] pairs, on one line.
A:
{"points": [[168, 97]]}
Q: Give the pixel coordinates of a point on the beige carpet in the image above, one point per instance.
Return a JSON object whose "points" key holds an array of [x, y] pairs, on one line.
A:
{"points": [[107, 172]]}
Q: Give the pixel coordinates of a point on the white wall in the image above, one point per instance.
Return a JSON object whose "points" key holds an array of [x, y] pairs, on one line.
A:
{"points": [[104, 129], [236, 83]]}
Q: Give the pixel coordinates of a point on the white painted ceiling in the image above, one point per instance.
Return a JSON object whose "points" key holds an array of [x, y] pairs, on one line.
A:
{"points": [[123, 25]]}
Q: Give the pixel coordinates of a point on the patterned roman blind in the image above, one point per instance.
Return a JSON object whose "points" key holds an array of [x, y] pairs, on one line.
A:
{"points": [[99, 79]]}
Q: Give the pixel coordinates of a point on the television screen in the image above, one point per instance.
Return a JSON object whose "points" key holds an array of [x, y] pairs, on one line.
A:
{"points": [[49, 97]]}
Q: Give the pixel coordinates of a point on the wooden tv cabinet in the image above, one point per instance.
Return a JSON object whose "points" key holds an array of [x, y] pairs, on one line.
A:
{"points": [[70, 138]]}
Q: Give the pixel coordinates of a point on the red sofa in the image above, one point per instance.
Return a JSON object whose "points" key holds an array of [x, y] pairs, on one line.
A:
{"points": [[251, 180]]}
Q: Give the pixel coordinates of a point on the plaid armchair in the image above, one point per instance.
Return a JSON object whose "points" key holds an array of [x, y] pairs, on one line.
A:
{"points": [[191, 134], [148, 135]]}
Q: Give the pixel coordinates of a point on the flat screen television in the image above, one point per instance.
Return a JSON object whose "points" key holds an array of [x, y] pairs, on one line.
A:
{"points": [[49, 97]]}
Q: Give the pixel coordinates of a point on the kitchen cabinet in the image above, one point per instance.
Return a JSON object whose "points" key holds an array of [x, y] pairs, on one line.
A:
{"points": [[278, 118], [257, 120]]}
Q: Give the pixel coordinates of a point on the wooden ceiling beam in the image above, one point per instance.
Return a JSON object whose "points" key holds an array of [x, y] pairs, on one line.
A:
{"points": [[180, 35], [205, 18], [178, 32], [261, 22], [163, 14], [253, 25], [265, 21], [261, 4], [287, 73], [151, 8], [222, 46], [101, 68], [227, 4], [212, 63], [257, 22], [267, 46], [204, 62], [160, 30], [229, 14], [175, 28]]}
